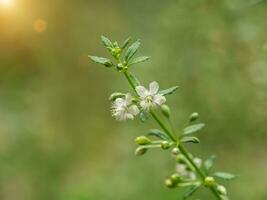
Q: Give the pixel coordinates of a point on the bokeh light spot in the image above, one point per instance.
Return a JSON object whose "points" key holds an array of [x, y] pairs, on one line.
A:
{"points": [[5, 3], [40, 25]]}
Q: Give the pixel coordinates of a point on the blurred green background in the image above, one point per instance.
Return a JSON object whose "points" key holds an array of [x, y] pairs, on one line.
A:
{"points": [[57, 138]]}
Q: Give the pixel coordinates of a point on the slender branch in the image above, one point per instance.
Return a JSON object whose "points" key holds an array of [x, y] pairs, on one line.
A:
{"points": [[172, 136], [162, 125]]}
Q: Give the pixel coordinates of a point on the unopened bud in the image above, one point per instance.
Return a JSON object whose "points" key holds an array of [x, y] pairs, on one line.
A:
{"points": [[175, 151], [169, 183], [175, 178], [165, 145], [209, 181], [221, 189], [120, 66], [142, 140], [140, 151], [166, 111], [193, 117]]}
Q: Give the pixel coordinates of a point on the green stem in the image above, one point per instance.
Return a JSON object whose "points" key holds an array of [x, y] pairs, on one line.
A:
{"points": [[162, 125], [126, 74], [174, 139]]}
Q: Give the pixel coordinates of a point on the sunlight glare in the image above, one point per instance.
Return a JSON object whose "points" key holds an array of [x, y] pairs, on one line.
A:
{"points": [[6, 3]]}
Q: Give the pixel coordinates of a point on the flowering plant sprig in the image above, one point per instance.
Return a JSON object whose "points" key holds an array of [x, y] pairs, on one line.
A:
{"points": [[190, 171]]}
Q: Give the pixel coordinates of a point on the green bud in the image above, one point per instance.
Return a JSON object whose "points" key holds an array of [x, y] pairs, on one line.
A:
{"points": [[140, 151], [119, 66], [175, 151], [142, 140], [209, 181], [221, 189], [193, 117], [165, 145], [166, 111], [115, 44], [175, 178], [169, 183]]}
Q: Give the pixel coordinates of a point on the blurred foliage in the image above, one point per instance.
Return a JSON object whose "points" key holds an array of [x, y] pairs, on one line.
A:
{"points": [[57, 139]]}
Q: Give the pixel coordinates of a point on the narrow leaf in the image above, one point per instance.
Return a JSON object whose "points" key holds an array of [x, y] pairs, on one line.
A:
{"points": [[158, 133], [131, 51], [134, 79], [125, 43], [139, 60], [107, 43], [225, 175], [168, 91], [191, 191], [116, 95], [190, 140], [101, 60], [209, 163], [193, 128]]}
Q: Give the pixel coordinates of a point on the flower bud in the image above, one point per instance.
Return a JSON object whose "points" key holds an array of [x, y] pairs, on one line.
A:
{"points": [[209, 181], [221, 189], [140, 151], [166, 111], [175, 151], [120, 66], [175, 178], [165, 145], [169, 183], [193, 117], [142, 140]]}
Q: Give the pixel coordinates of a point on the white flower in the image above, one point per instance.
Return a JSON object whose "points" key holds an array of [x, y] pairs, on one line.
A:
{"points": [[150, 98], [183, 170], [197, 161], [123, 109]]}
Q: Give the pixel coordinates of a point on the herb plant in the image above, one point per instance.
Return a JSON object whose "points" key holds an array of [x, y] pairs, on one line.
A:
{"points": [[190, 171]]}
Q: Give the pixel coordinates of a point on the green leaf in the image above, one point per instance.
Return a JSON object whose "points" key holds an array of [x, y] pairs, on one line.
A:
{"points": [[225, 175], [193, 128], [101, 60], [169, 90], [116, 95], [209, 163], [125, 43], [191, 191], [158, 133], [190, 140], [107, 43], [139, 60], [134, 79], [131, 51]]}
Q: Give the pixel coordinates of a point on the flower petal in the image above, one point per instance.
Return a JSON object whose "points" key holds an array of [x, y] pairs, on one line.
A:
{"points": [[153, 88], [128, 99], [133, 110], [141, 91], [159, 99], [119, 102], [144, 105]]}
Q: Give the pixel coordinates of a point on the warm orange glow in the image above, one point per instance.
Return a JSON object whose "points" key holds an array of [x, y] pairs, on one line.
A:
{"points": [[40, 25], [5, 3]]}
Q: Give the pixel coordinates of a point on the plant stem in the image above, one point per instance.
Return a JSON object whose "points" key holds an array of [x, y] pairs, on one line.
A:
{"points": [[126, 73], [174, 139], [162, 125]]}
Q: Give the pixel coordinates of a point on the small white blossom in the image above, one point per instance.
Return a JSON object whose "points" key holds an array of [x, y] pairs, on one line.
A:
{"points": [[198, 162], [150, 98], [183, 170], [123, 109]]}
